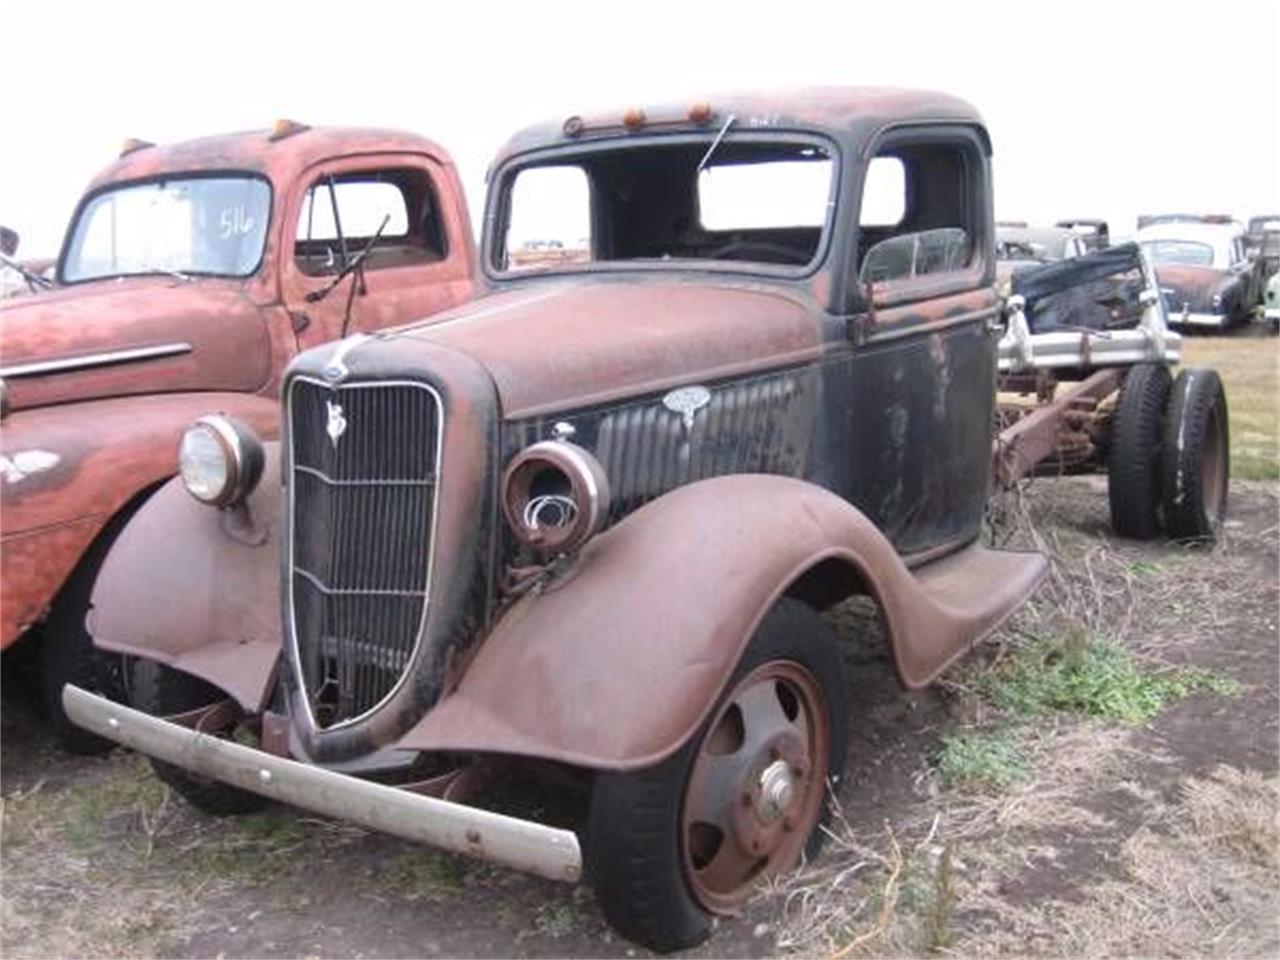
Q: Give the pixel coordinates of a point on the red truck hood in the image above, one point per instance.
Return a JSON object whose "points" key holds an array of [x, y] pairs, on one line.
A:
{"points": [[552, 346], [216, 339]]}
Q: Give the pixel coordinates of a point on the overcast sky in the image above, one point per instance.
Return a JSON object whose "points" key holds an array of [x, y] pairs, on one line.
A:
{"points": [[1095, 109]]}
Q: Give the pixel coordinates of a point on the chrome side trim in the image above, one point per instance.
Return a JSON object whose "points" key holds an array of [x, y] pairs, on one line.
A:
{"points": [[294, 651], [546, 851], [88, 360]]}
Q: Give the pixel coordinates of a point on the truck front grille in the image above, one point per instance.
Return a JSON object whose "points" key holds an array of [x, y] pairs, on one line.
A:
{"points": [[362, 502]]}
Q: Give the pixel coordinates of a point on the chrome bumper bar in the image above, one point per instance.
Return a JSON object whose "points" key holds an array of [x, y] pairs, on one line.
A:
{"points": [[532, 847]]}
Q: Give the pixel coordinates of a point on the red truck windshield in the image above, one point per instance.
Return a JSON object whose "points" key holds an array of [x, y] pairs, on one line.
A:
{"points": [[209, 225]]}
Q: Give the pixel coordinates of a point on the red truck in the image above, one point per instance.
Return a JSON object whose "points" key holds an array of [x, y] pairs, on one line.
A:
{"points": [[189, 277]]}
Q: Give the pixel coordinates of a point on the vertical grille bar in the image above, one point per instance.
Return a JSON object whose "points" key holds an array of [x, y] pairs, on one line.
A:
{"points": [[362, 506]]}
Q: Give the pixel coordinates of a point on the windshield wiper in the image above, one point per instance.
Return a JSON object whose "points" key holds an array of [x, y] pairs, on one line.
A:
{"points": [[702, 164], [33, 280], [354, 264], [168, 271]]}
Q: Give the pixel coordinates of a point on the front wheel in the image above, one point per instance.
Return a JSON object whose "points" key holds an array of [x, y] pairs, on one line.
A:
{"points": [[693, 836], [163, 691]]}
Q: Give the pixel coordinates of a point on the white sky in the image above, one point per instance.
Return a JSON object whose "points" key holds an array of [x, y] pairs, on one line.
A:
{"points": [[1104, 109]]}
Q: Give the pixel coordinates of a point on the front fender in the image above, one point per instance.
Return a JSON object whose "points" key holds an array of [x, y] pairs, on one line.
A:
{"points": [[617, 667], [198, 588], [66, 470]]}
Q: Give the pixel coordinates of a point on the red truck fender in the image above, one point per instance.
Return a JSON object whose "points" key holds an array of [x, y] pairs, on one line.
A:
{"points": [[68, 469], [618, 665]]}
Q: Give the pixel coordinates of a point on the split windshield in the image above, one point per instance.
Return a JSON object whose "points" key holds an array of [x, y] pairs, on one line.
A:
{"points": [[751, 199], [215, 225]]}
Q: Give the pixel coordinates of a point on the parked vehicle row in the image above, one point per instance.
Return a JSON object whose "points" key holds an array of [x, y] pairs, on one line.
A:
{"points": [[363, 517], [1213, 271]]}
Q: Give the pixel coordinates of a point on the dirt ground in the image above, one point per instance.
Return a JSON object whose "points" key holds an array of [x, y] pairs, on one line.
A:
{"points": [[1133, 810]]}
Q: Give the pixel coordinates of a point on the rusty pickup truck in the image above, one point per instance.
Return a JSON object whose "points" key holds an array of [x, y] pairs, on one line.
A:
{"points": [[190, 275], [586, 524]]}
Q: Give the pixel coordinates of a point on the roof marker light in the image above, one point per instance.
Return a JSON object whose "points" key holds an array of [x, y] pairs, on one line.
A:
{"points": [[286, 128]]}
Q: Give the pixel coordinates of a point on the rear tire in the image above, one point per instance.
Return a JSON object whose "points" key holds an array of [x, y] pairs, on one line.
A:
{"points": [[651, 884], [1133, 477], [163, 691], [1196, 457]]}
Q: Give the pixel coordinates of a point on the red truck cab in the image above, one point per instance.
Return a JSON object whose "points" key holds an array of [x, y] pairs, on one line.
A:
{"points": [[189, 277]]}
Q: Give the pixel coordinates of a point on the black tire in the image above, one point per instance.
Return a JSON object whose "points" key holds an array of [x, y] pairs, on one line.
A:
{"points": [[1133, 473], [67, 653], [162, 691], [634, 845], [1195, 462]]}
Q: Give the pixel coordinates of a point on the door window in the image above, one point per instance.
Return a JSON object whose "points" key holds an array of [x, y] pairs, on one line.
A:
{"points": [[390, 216], [917, 215]]}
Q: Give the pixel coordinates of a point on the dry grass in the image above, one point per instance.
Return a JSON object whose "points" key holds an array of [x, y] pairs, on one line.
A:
{"points": [[1250, 370]]}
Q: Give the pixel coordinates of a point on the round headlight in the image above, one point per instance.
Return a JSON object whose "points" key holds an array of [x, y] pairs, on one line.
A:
{"points": [[220, 460], [555, 496]]}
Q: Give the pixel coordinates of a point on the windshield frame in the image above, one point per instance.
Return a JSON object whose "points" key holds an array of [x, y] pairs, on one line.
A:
{"points": [[166, 177], [502, 180]]}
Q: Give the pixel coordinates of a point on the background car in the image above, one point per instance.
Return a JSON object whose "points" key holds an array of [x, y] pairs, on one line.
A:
{"points": [[1206, 276]]}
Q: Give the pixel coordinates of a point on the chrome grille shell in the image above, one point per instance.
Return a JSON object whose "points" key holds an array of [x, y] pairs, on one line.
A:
{"points": [[362, 510]]}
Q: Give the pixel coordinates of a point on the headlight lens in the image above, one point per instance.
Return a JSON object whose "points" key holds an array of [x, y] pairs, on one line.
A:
{"points": [[220, 460], [555, 496]]}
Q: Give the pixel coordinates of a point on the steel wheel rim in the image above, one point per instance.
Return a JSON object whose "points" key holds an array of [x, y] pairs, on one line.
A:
{"points": [[756, 785], [1213, 470]]}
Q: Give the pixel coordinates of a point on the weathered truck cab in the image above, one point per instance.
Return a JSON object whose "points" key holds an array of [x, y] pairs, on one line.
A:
{"points": [[190, 275], [589, 520]]}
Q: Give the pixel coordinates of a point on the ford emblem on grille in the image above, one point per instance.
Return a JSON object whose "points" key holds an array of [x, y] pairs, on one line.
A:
{"points": [[687, 401], [337, 424]]}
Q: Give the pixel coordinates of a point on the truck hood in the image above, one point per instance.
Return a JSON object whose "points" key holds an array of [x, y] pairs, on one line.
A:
{"points": [[557, 346], [1194, 286], [137, 335]]}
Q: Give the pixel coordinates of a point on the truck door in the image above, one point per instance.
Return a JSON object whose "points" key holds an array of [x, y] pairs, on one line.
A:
{"points": [[379, 240], [921, 381]]}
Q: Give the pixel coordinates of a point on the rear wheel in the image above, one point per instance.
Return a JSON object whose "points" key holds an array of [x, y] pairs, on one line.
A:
{"points": [[1195, 458], [1133, 474], [673, 844], [163, 691]]}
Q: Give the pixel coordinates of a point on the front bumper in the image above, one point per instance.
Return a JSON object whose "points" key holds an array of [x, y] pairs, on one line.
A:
{"points": [[532, 847], [1190, 319]]}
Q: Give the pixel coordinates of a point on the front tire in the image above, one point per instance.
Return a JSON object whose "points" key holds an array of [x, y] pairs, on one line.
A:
{"points": [[1195, 458], [163, 691], [673, 844]]}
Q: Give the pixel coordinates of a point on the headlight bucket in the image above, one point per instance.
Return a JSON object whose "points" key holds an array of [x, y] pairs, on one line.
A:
{"points": [[220, 460], [555, 496]]}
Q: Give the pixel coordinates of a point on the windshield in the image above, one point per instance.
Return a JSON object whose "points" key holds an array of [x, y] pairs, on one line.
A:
{"points": [[756, 199], [214, 225], [1179, 252]]}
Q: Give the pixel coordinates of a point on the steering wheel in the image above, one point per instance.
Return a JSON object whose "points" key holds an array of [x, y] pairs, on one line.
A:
{"points": [[779, 251]]}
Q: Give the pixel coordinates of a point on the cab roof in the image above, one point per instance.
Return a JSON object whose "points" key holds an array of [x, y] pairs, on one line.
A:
{"points": [[280, 159], [845, 113]]}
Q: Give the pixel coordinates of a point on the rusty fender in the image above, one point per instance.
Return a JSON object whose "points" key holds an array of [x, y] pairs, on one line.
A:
{"points": [[617, 666], [198, 588], [68, 469]]}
